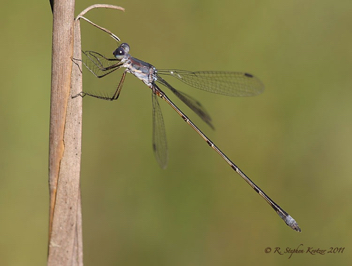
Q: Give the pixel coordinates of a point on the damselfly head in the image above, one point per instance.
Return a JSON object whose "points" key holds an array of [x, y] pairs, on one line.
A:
{"points": [[121, 51]]}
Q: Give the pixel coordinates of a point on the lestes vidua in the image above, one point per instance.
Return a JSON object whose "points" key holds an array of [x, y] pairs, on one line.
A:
{"points": [[220, 82]]}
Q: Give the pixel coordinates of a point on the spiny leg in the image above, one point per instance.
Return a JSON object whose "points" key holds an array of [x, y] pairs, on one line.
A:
{"points": [[119, 87], [99, 62], [114, 97]]}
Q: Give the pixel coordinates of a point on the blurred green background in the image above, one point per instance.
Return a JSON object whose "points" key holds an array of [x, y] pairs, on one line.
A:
{"points": [[294, 140]]}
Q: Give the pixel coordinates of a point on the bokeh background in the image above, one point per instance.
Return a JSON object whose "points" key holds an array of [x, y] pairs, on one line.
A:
{"points": [[294, 140]]}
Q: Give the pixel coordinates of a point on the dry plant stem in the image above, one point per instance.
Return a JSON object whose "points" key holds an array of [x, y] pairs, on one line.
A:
{"points": [[99, 6], [65, 221], [60, 86], [101, 28], [81, 16], [65, 225]]}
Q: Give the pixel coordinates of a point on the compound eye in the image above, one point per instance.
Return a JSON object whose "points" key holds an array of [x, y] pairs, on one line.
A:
{"points": [[121, 51]]}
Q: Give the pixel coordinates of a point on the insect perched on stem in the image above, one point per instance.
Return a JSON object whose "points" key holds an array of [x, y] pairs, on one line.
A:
{"points": [[225, 83]]}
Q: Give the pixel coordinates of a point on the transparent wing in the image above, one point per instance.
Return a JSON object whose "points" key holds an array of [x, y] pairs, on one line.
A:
{"points": [[190, 102], [159, 134], [220, 82], [98, 64]]}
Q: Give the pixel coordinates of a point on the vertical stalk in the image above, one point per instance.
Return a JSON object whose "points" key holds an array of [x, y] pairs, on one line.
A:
{"points": [[65, 231], [65, 220]]}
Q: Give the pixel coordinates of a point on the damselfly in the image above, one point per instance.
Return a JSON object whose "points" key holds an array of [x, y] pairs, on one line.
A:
{"points": [[226, 83]]}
